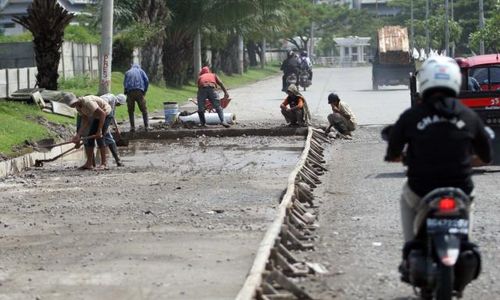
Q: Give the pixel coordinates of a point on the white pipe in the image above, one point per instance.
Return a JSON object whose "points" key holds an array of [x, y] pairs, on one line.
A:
{"points": [[210, 118]]}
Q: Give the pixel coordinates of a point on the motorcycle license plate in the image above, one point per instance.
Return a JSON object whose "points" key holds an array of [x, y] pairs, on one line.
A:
{"points": [[452, 226]]}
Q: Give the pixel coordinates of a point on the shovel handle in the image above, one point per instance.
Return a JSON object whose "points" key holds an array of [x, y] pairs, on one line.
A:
{"points": [[69, 142]]}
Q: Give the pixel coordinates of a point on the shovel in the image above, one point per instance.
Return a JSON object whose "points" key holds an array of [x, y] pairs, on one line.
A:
{"points": [[39, 162], [42, 147]]}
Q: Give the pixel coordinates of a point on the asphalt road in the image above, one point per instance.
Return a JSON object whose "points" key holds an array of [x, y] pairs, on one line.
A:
{"points": [[261, 101], [360, 235]]}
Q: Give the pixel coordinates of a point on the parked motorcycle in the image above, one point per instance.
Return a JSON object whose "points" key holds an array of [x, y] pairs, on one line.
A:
{"points": [[440, 261], [304, 81]]}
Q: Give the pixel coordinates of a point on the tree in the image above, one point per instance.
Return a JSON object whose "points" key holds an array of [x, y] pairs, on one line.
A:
{"points": [[466, 20], [46, 20], [490, 34]]}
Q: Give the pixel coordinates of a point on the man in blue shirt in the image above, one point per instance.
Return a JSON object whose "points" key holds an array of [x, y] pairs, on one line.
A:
{"points": [[136, 84]]}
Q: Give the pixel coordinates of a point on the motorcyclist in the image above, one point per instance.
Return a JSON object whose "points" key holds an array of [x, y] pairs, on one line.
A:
{"points": [[442, 137], [306, 64], [290, 65]]}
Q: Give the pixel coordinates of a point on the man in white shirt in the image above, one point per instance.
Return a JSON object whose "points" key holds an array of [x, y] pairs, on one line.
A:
{"points": [[341, 118]]}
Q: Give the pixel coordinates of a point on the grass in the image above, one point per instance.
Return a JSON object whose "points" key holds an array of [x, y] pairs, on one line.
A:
{"points": [[19, 121], [19, 125]]}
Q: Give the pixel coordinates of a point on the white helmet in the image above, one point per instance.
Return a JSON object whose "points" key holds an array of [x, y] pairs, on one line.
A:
{"points": [[439, 72], [121, 98]]}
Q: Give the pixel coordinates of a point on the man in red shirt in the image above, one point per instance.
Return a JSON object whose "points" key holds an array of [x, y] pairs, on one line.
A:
{"points": [[207, 83]]}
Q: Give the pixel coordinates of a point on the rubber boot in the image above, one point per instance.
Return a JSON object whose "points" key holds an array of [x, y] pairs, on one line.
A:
{"points": [[114, 152], [131, 117], [201, 115], [145, 118], [220, 112]]}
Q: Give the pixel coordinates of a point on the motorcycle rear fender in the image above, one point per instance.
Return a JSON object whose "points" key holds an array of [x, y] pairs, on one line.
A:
{"points": [[447, 248]]}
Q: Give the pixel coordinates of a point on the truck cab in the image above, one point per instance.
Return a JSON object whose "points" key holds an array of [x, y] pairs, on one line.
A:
{"points": [[480, 91]]}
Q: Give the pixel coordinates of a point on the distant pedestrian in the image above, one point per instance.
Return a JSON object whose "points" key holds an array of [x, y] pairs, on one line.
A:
{"points": [[136, 85], [207, 83], [95, 113], [114, 101], [341, 118]]}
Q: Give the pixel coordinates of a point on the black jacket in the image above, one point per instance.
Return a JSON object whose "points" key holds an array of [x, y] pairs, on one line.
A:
{"points": [[441, 139], [290, 65]]}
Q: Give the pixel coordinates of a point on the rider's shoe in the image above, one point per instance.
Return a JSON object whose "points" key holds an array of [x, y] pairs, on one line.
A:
{"points": [[225, 124]]}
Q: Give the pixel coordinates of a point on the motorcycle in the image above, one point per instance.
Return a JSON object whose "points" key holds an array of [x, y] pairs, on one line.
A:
{"points": [[304, 81], [291, 79], [441, 261]]}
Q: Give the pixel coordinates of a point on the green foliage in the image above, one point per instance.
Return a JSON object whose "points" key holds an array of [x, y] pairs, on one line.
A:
{"points": [[23, 37], [466, 15], [81, 34], [80, 85], [490, 34]]}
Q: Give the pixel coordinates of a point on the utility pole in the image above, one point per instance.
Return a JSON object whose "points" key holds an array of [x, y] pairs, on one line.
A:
{"points": [[311, 37], [412, 29], [427, 32], [447, 27], [452, 20], [197, 54], [481, 24], [106, 47]]}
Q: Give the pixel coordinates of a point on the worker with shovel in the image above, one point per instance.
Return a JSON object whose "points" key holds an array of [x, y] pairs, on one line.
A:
{"points": [[96, 114]]}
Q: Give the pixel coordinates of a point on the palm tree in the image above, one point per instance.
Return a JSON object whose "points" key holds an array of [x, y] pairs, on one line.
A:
{"points": [[46, 20], [155, 14]]}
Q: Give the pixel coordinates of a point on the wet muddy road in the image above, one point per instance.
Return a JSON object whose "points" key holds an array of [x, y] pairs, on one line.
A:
{"points": [[182, 220]]}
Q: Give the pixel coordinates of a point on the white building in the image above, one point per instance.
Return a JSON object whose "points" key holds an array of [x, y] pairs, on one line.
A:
{"points": [[353, 49], [12, 8]]}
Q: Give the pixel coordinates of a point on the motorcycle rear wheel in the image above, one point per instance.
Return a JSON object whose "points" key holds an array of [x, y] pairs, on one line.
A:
{"points": [[444, 289]]}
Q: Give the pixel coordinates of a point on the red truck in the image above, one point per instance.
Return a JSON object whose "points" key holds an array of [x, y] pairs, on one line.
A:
{"points": [[480, 91]]}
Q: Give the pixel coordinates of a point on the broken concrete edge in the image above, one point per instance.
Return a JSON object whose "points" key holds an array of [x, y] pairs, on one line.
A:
{"points": [[19, 164], [218, 132]]}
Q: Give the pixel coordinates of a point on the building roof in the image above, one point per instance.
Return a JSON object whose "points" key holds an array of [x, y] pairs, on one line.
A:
{"points": [[351, 41]]}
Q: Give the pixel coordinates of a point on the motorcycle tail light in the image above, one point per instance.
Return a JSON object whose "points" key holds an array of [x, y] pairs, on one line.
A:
{"points": [[447, 204]]}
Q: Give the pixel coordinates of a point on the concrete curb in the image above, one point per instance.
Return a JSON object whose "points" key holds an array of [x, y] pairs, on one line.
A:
{"points": [[21, 163]]}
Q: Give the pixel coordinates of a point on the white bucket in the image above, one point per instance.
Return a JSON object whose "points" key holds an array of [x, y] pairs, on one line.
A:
{"points": [[171, 110]]}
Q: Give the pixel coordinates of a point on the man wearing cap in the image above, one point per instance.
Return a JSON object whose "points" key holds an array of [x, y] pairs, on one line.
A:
{"points": [[207, 83], [95, 113], [341, 118], [114, 101], [292, 108]]}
